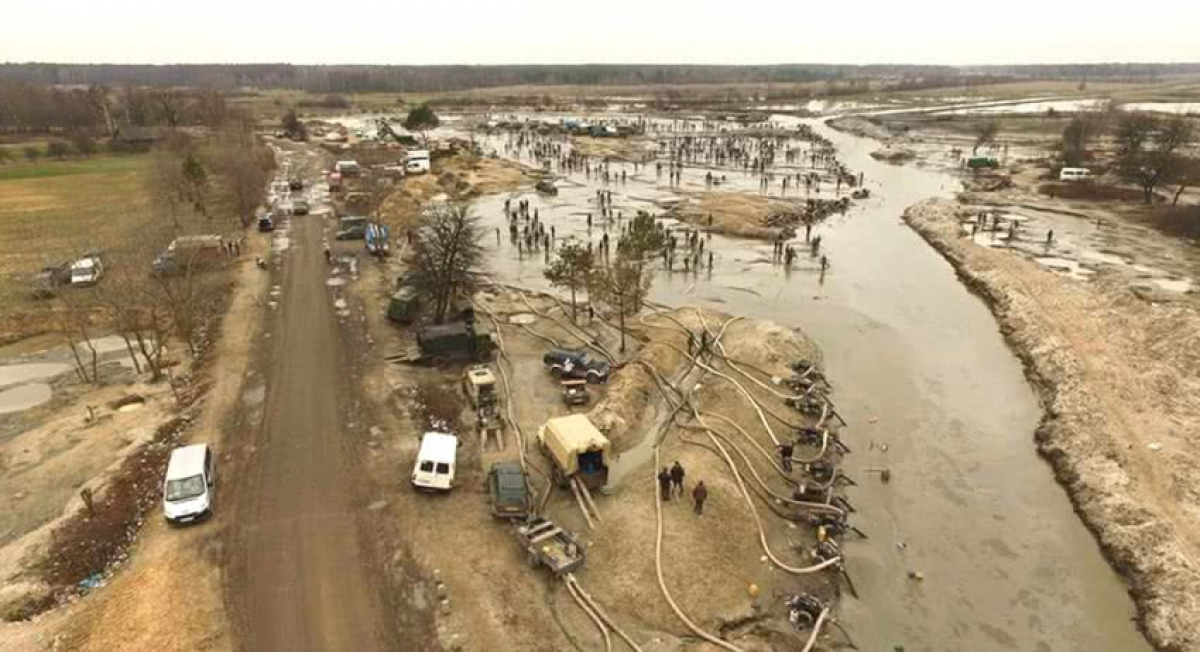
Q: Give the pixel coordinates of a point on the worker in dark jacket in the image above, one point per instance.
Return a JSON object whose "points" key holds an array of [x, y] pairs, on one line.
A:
{"points": [[677, 474], [785, 456], [664, 483], [699, 495]]}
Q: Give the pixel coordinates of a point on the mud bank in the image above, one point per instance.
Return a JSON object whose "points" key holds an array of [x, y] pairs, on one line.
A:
{"points": [[1117, 377]]}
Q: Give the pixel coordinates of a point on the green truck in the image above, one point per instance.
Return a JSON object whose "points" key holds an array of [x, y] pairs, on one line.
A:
{"points": [[454, 341], [403, 306]]}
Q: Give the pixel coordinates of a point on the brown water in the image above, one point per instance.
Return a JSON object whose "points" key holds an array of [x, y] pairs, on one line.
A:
{"points": [[918, 364]]}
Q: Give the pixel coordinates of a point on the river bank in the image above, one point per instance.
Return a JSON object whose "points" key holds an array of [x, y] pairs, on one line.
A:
{"points": [[1117, 378]]}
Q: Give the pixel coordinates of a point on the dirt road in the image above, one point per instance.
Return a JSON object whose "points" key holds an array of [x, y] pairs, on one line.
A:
{"points": [[299, 577]]}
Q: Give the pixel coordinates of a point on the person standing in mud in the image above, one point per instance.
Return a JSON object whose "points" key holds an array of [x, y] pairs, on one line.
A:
{"points": [[785, 457], [664, 484], [677, 474], [699, 495]]}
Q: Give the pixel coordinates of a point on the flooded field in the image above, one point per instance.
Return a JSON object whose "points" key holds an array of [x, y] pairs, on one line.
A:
{"points": [[931, 393], [1077, 246]]}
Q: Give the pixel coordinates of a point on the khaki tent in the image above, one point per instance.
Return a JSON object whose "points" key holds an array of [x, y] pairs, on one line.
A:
{"points": [[577, 448]]}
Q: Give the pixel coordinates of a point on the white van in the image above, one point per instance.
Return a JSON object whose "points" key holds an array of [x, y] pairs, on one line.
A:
{"points": [[1074, 174], [188, 490], [436, 460], [86, 271], [347, 168], [416, 161]]}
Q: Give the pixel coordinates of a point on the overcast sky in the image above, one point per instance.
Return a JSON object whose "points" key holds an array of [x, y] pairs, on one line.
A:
{"points": [[610, 31]]}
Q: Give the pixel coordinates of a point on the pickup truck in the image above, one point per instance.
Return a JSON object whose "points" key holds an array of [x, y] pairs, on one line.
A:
{"points": [[566, 363]]}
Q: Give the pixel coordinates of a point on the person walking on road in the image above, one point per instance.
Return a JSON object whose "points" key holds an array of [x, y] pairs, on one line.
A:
{"points": [[699, 495], [785, 456], [677, 474], [664, 484]]}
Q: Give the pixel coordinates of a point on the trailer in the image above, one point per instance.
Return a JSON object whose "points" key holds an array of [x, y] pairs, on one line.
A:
{"points": [[577, 451], [546, 544]]}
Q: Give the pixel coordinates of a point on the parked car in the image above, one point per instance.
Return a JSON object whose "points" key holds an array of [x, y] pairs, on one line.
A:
{"points": [[352, 228], [299, 207], [1074, 174], [87, 270], [546, 187], [265, 224], [50, 279], [509, 490], [189, 252], [566, 363], [189, 485]]}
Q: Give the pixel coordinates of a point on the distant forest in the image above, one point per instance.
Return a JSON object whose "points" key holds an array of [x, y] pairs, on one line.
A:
{"points": [[349, 79]]}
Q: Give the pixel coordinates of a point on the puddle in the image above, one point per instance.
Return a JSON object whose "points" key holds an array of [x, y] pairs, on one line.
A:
{"points": [[20, 373], [23, 397]]}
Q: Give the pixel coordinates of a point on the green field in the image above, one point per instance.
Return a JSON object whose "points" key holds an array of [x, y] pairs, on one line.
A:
{"points": [[53, 211]]}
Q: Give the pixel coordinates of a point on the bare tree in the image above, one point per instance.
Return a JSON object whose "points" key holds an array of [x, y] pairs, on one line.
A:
{"points": [[244, 166], [448, 255], [1078, 135], [571, 269], [209, 108], [1148, 150], [622, 285], [170, 106], [985, 134], [1187, 176], [421, 119], [177, 178], [75, 324]]}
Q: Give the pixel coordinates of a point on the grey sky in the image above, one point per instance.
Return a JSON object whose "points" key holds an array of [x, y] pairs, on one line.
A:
{"points": [[611, 31]]}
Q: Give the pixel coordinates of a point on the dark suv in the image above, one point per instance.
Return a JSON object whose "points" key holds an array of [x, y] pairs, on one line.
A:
{"points": [[509, 490], [565, 363]]}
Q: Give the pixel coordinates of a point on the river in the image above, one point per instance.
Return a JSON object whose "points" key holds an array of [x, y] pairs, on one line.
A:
{"points": [[931, 392]]}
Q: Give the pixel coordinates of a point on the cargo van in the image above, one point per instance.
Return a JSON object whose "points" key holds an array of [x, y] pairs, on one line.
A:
{"points": [[347, 168], [416, 161], [436, 459], [1074, 174], [188, 488]]}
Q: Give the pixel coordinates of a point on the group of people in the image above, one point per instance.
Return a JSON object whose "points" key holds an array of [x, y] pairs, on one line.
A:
{"points": [[670, 485]]}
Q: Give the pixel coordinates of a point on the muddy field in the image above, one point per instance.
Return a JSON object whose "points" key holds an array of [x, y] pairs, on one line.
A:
{"points": [[318, 426]]}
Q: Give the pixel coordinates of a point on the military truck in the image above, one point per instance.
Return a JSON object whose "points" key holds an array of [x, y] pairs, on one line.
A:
{"points": [[454, 341], [403, 306]]}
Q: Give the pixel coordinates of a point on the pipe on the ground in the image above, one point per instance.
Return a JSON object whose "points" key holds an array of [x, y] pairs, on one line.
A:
{"points": [[812, 638], [602, 614], [592, 615]]}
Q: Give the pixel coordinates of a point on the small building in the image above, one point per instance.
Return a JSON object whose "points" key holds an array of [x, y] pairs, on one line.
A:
{"points": [[128, 138]]}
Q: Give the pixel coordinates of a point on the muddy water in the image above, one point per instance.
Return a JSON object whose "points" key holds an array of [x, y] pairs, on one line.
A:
{"points": [[921, 369]]}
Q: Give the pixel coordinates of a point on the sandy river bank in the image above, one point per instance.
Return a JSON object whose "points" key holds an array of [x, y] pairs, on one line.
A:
{"points": [[1118, 378]]}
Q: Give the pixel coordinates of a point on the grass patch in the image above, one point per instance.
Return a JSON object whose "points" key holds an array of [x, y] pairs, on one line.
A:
{"points": [[52, 212], [72, 167]]}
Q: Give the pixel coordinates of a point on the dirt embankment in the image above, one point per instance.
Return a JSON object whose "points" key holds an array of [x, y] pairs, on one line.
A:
{"points": [[734, 213], [1119, 380], [459, 177], [863, 127], [621, 149]]}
